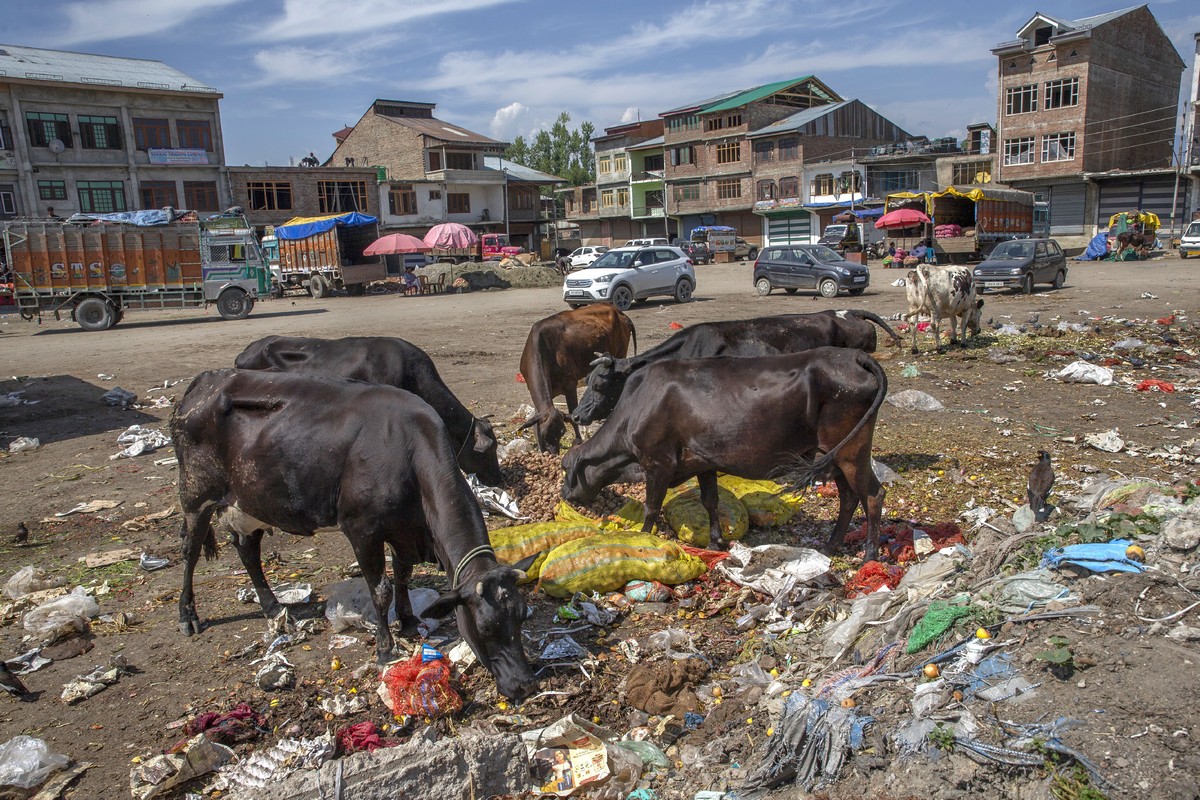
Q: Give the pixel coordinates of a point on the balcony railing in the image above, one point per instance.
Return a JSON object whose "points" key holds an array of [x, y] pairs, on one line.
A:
{"points": [[649, 175], [648, 211]]}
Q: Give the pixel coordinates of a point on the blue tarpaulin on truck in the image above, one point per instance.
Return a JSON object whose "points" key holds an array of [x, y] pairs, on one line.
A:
{"points": [[303, 227], [716, 228]]}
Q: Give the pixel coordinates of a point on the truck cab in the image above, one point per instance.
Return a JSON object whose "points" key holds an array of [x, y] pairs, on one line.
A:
{"points": [[496, 245], [842, 236]]}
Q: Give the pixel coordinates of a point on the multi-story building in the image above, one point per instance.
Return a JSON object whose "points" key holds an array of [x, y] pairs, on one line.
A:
{"points": [[435, 171], [273, 195], [1191, 158], [92, 133], [1086, 116], [629, 183]]}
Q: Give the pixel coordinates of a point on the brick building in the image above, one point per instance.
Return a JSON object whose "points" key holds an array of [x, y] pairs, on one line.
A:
{"points": [[1086, 115], [93, 133], [273, 195]]}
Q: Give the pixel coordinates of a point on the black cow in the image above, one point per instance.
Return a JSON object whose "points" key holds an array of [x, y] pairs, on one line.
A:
{"points": [[753, 417], [391, 362], [299, 453], [762, 336]]}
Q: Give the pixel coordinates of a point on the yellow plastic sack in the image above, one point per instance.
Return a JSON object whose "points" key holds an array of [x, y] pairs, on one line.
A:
{"points": [[628, 517], [521, 541], [766, 502], [685, 514], [608, 561]]}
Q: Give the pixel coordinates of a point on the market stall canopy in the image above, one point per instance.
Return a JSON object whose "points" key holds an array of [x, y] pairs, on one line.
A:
{"points": [[396, 243], [901, 218], [303, 227], [451, 235], [1148, 221]]}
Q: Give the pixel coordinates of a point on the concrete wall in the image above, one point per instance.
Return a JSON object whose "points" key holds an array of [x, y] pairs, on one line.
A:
{"points": [[302, 181]]}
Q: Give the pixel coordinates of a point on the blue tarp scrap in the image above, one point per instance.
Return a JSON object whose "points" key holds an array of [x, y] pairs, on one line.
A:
{"points": [[716, 228], [143, 219], [1097, 248], [306, 229], [1106, 557]]}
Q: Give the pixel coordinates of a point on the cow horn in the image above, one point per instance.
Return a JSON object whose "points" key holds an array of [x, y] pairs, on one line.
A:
{"points": [[602, 358], [529, 423]]}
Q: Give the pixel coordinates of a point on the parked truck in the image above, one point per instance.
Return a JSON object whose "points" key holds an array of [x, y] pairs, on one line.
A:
{"points": [[490, 247], [98, 269], [325, 253], [969, 221]]}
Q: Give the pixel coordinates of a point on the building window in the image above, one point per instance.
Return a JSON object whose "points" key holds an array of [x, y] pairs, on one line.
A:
{"points": [[570, 204], [1062, 93], [158, 194], [1058, 147], [521, 201], [622, 197], [721, 123], [1018, 151], [1020, 99], [729, 188], [336, 197], [149, 133], [435, 194], [789, 187], [849, 182], [764, 152], [52, 190], [45, 128], [603, 166], [460, 161], [606, 198], [194, 134], [766, 190], [101, 197], [458, 202], [966, 172], [435, 160], [6, 138], [8, 203], [687, 191], [654, 163], [729, 152], [200, 195], [789, 149], [99, 133], [620, 162], [896, 180], [402, 200], [683, 155], [680, 124], [269, 195], [822, 184]]}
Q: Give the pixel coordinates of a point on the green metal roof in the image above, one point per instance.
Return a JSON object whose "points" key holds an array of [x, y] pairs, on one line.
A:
{"points": [[761, 92]]}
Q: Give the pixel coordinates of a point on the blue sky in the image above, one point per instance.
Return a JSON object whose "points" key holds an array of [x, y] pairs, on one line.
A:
{"points": [[294, 71]]}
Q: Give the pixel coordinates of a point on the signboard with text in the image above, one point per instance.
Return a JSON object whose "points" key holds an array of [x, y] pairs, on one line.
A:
{"points": [[177, 156]]}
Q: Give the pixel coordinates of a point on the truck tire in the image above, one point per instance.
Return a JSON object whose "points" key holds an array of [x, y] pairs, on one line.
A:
{"points": [[752, 255], [234, 303], [95, 314], [318, 287]]}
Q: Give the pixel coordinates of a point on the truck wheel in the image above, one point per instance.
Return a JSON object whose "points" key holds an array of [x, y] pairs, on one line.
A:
{"points": [[828, 287], [95, 314], [763, 287], [234, 304], [318, 287], [752, 255], [622, 298]]}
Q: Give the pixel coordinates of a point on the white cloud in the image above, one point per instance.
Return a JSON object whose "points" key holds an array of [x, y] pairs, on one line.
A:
{"points": [[291, 64], [303, 19], [508, 122], [632, 114], [125, 19]]}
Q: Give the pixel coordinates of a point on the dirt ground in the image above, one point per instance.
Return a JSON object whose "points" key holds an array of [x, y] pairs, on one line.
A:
{"points": [[1001, 409]]}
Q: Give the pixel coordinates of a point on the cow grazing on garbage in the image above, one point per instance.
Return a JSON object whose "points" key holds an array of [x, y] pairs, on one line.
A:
{"points": [[762, 336], [557, 356], [939, 292], [809, 413], [374, 461], [391, 362]]}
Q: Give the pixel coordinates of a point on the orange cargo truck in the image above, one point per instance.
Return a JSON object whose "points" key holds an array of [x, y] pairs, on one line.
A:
{"points": [[99, 270]]}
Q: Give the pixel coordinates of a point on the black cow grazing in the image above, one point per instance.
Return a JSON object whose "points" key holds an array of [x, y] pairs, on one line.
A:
{"points": [[301, 452], [558, 355], [762, 336], [390, 362], [753, 417]]}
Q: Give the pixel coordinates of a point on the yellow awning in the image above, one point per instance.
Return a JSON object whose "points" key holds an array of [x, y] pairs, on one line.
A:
{"points": [[1149, 221]]}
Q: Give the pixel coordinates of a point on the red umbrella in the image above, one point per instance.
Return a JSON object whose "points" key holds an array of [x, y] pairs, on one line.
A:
{"points": [[901, 218], [395, 243], [451, 235]]}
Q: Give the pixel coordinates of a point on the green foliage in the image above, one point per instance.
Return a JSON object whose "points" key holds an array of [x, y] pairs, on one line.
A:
{"points": [[1074, 784], [1112, 526], [942, 737], [1059, 656], [563, 151]]}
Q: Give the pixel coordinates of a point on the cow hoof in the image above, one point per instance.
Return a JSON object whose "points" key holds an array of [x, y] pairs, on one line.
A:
{"points": [[914, 351], [190, 627], [408, 627]]}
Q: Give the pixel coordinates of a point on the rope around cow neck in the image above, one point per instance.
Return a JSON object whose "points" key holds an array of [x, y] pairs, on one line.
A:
{"points": [[467, 438], [482, 550]]}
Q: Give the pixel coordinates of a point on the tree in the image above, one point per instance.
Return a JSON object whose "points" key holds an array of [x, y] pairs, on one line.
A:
{"points": [[559, 151]]}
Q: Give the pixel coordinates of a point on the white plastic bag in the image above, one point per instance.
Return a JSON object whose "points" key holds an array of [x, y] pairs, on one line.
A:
{"points": [[29, 579], [1083, 372], [915, 400], [348, 605], [53, 616], [26, 762]]}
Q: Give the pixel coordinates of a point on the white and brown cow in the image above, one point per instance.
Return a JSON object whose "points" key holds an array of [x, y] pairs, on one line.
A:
{"points": [[938, 292]]}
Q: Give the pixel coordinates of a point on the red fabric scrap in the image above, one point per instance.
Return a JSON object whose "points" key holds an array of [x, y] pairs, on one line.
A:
{"points": [[1166, 320], [675, 326], [362, 736], [896, 540], [922, 327], [421, 689], [1155, 385], [828, 489], [1111, 362], [520, 378], [710, 557], [871, 576], [239, 725]]}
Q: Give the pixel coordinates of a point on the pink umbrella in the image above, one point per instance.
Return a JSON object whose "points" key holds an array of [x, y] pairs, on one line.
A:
{"points": [[449, 235], [901, 218], [395, 243]]}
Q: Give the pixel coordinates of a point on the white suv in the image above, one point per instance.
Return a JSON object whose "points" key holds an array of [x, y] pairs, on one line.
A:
{"points": [[627, 275]]}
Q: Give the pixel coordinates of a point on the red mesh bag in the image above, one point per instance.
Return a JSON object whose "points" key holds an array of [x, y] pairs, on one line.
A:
{"points": [[421, 689], [871, 576]]}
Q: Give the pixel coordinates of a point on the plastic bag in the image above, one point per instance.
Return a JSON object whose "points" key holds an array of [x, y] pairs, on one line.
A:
{"points": [[26, 762], [672, 641], [419, 688], [29, 579], [689, 519], [1083, 372], [22, 443], [55, 617], [349, 605], [915, 400]]}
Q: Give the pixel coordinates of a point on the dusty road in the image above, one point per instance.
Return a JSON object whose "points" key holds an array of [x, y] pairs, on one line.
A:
{"points": [[1000, 412]]}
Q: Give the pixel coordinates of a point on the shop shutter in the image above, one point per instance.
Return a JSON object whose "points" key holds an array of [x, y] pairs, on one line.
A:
{"points": [[1066, 208], [1147, 194], [789, 230]]}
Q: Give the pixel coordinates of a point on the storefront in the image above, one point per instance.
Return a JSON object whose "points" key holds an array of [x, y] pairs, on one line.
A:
{"points": [[786, 224]]}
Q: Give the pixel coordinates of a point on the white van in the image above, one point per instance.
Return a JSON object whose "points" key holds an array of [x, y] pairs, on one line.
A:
{"points": [[657, 242], [1189, 243]]}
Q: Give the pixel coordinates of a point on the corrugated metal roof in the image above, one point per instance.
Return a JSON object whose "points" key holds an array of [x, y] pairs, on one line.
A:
{"points": [[700, 105], [761, 92], [1099, 19], [799, 119], [445, 131], [657, 141], [61, 66], [520, 172]]}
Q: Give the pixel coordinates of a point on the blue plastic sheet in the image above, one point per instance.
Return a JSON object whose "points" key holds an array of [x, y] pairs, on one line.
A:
{"points": [[1106, 557], [143, 219], [312, 226], [1097, 248]]}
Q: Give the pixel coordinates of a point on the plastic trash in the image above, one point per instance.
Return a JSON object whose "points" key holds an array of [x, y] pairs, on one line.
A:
{"points": [[1083, 372], [915, 400], [1017, 594], [26, 762], [672, 641], [152, 563], [811, 744], [1107, 442], [117, 396], [494, 499], [514, 448], [884, 473], [159, 775], [62, 616], [29, 579], [348, 605], [1129, 344], [419, 688], [652, 757], [100, 678], [775, 570], [276, 672], [563, 648], [23, 444], [138, 440], [1106, 557]]}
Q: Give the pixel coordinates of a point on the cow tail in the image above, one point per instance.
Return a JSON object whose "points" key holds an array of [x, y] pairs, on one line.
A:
{"points": [[878, 320], [818, 467], [210, 544], [633, 333]]}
